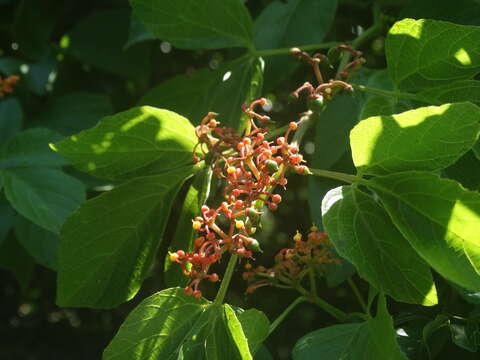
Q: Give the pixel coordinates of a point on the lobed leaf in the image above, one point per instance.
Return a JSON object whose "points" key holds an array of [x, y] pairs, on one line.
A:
{"points": [[172, 325], [428, 138], [363, 233], [136, 142], [439, 218], [425, 53], [108, 244]]}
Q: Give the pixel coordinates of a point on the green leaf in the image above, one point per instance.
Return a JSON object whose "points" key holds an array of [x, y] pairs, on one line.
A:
{"points": [[382, 105], [428, 138], [223, 91], [363, 233], [425, 53], [71, 113], [139, 141], [187, 24], [430, 328], [172, 325], [14, 258], [184, 234], [466, 171], [11, 118], [457, 91], [99, 40], [292, 23], [43, 195], [476, 149], [372, 339], [137, 32], [30, 148], [41, 244], [439, 218], [108, 244], [7, 218], [255, 326], [463, 12]]}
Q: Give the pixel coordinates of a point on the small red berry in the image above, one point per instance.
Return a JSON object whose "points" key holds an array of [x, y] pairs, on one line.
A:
{"points": [[197, 294], [276, 198], [272, 206]]}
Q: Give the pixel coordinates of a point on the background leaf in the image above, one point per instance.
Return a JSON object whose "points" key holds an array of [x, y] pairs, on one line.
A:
{"points": [[43, 195], [255, 326], [11, 118], [115, 236], [193, 96], [139, 141], [197, 25]]}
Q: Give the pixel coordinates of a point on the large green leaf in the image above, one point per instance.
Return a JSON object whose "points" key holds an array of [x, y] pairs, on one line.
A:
{"points": [[425, 53], [43, 195], [30, 148], [292, 23], [363, 233], [457, 91], [428, 138], [439, 218], [466, 171], [11, 118], [184, 233], [98, 40], [108, 244], [139, 141], [74, 112], [463, 12], [188, 24], [137, 32], [372, 339], [382, 105], [223, 91], [41, 244], [172, 325]]}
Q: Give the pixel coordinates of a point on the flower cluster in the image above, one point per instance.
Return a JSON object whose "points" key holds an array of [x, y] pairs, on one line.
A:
{"points": [[251, 167], [292, 264], [7, 84]]}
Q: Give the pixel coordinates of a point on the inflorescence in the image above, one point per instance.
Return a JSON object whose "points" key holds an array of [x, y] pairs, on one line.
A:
{"points": [[251, 167], [7, 84], [292, 264]]}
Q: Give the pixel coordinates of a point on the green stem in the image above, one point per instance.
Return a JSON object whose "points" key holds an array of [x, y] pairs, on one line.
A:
{"points": [[335, 175], [357, 295], [313, 283], [388, 93], [326, 45], [226, 280], [325, 306], [285, 312]]}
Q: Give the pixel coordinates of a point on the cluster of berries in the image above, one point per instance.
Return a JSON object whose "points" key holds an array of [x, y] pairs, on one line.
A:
{"points": [[292, 264], [251, 167], [7, 84]]}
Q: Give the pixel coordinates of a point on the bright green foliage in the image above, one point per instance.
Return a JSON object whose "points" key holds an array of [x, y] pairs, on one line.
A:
{"points": [[172, 325], [109, 243], [210, 24], [137, 142], [425, 53], [363, 233], [44, 195], [439, 218], [185, 235], [193, 96], [462, 90], [371, 339], [428, 138]]}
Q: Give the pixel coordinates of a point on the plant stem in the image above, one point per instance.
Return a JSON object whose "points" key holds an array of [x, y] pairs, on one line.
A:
{"points": [[357, 294], [389, 93], [285, 312], [268, 52], [335, 175], [325, 306], [226, 280], [313, 283]]}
